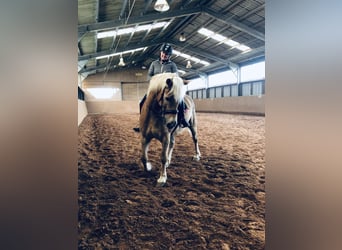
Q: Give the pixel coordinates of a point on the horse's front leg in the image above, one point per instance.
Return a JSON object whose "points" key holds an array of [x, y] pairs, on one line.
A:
{"points": [[169, 154], [144, 154], [164, 160]]}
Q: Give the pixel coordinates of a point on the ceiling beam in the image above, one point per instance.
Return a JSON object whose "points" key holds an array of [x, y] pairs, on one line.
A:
{"points": [[194, 72], [180, 24], [147, 33], [147, 5], [218, 61], [199, 52], [185, 3], [238, 25], [136, 20], [171, 33], [97, 13], [254, 52], [232, 5], [123, 8], [81, 65], [213, 66], [81, 35], [228, 19], [154, 43], [187, 71], [252, 12], [189, 13], [121, 49], [94, 68]]}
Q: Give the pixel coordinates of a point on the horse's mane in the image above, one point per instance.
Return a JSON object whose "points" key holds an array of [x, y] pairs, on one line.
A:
{"points": [[158, 82]]}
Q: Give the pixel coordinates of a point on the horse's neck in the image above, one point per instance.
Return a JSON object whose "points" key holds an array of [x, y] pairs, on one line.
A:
{"points": [[148, 113], [151, 99], [148, 105]]}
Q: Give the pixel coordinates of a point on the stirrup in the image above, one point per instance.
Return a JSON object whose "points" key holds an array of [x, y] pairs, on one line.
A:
{"points": [[136, 129]]}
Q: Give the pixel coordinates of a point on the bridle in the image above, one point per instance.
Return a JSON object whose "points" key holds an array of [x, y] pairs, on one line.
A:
{"points": [[159, 108]]}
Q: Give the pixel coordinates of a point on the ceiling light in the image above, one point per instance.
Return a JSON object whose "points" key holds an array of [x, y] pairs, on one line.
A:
{"points": [[161, 5], [120, 53], [231, 43], [121, 63], [223, 39], [206, 32], [124, 31], [188, 57], [243, 48], [182, 37], [188, 65]]}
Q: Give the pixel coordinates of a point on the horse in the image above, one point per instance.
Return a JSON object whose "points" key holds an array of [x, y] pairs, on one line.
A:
{"points": [[159, 119]]}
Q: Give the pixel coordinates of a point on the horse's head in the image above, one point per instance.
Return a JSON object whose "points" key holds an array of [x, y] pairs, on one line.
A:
{"points": [[168, 98]]}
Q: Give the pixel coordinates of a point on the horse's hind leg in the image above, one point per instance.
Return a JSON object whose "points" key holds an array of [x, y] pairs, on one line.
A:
{"points": [[144, 154], [193, 130]]}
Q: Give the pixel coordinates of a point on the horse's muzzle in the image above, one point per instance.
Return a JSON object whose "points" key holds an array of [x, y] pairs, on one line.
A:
{"points": [[171, 125]]}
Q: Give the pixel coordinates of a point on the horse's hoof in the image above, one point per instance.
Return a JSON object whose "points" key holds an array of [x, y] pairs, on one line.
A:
{"points": [[161, 181], [196, 157], [148, 167], [160, 184]]}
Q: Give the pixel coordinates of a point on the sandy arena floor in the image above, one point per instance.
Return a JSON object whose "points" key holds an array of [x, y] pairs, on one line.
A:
{"points": [[215, 203]]}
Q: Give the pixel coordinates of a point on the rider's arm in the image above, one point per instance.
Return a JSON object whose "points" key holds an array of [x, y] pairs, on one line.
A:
{"points": [[150, 71]]}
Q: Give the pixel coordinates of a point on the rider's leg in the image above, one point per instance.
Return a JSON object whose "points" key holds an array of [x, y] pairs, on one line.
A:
{"points": [[141, 103]]}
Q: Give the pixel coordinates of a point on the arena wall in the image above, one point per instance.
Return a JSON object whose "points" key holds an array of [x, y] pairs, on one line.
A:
{"points": [[82, 111], [131, 87], [239, 104], [235, 104], [112, 107]]}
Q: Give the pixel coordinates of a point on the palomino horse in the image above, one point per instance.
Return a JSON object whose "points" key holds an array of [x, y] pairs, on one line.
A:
{"points": [[158, 119]]}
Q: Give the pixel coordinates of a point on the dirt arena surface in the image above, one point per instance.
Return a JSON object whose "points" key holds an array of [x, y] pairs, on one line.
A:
{"points": [[215, 203]]}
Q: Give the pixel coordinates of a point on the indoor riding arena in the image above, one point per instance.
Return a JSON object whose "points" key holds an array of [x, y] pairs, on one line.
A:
{"points": [[216, 202]]}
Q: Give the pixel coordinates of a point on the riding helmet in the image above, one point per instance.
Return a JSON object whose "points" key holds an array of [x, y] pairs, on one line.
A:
{"points": [[166, 48]]}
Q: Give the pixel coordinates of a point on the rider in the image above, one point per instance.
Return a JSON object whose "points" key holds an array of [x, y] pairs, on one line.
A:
{"points": [[164, 65]]}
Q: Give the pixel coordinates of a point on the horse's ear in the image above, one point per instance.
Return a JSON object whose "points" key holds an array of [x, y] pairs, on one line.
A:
{"points": [[169, 83]]}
